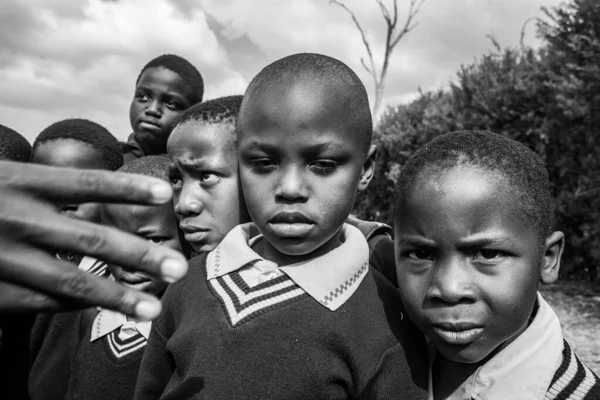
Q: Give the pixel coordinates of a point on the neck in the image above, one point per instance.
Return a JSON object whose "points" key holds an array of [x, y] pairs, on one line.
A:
{"points": [[267, 251]]}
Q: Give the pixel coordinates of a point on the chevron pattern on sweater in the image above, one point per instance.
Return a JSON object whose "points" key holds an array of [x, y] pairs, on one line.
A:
{"points": [[242, 303], [573, 380], [121, 347]]}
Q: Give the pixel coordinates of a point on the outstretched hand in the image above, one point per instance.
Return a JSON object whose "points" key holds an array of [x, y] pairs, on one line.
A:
{"points": [[32, 231]]}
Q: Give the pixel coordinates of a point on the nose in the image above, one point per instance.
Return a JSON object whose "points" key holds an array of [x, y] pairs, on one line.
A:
{"points": [[291, 186], [153, 108], [452, 283], [188, 200]]}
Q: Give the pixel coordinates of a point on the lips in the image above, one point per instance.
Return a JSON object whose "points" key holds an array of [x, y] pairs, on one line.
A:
{"points": [[457, 333], [290, 224], [194, 234], [149, 125], [133, 279]]}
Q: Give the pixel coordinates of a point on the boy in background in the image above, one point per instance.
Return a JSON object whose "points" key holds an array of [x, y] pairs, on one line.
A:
{"points": [[100, 350], [165, 87], [474, 237], [78, 143], [13, 146], [294, 312], [204, 173]]}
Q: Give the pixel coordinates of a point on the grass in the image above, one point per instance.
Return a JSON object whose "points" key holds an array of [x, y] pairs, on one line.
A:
{"points": [[577, 305]]}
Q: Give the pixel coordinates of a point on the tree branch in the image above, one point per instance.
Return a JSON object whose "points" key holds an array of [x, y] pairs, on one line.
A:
{"points": [[523, 28], [363, 36], [415, 7]]}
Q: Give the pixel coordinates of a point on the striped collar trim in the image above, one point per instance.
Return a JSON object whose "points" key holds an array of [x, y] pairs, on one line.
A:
{"points": [[330, 279]]}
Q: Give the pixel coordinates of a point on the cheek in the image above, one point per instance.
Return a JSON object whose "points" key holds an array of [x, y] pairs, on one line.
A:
{"points": [[174, 244]]}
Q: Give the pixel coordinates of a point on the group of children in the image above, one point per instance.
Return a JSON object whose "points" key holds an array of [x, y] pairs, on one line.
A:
{"points": [[288, 296]]}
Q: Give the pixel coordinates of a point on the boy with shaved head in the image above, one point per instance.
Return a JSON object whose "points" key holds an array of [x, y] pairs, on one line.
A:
{"points": [[294, 312]]}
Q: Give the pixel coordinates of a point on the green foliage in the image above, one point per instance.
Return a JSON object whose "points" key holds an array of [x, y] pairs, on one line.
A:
{"points": [[548, 99]]}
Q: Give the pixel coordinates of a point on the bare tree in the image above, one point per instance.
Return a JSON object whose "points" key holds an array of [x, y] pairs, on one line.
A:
{"points": [[395, 32]]}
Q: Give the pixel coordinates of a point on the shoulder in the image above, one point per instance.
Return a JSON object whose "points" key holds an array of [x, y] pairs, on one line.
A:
{"points": [[180, 297], [381, 246], [573, 379]]}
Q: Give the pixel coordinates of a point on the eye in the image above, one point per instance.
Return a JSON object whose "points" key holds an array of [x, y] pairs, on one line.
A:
{"points": [[209, 178], [157, 239], [488, 254], [176, 181], [172, 105], [139, 96], [419, 255], [262, 164], [324, 166]]}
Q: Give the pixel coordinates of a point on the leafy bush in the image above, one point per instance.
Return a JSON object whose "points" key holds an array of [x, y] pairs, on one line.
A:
{"points": [[548, 99]]}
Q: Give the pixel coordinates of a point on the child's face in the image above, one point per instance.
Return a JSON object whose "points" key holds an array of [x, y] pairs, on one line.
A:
{"points": [[300, 166], [160, 97], [73, 154], [468, 261], [157, 224], [204, 175]]}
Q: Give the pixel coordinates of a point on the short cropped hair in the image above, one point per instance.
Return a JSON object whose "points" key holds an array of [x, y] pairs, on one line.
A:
{"points": [[222, 110], [86, 131], [325, 70], [522, 168], [154, 166], [184, 69], [13, 146]]}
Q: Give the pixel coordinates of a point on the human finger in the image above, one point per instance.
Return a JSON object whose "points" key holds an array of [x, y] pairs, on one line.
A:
{"points": [[58, 232], [52, 283], [79, 185]]}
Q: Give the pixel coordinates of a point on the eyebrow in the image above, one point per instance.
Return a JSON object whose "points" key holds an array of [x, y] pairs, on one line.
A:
{"points": [[196, 164], [173, 94], [312, 149], [485, 239], [416, 241], [479, 240]]}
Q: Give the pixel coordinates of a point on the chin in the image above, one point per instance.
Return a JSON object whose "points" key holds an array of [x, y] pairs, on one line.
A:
{"points": [[203, 248], [464, 355]]}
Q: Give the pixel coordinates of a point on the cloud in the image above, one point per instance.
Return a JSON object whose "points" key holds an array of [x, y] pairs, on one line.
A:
{"points": [[80, 58]]}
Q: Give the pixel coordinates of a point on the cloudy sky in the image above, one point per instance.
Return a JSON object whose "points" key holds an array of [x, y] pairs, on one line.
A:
{"points": [[80, 58]]}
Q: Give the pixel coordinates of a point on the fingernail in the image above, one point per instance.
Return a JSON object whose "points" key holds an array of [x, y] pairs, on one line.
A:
{"points": [[161, 192], [147, 310], [172, 270]]}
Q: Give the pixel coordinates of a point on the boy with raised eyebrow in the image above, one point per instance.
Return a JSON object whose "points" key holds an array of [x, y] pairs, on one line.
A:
{"points": [[474, 238], [294, 312]]}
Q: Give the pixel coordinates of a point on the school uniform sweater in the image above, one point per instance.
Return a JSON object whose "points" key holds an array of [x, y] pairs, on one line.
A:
{"points": [[537, 365], [96, 355], [225, 334], [51, 344], [106, 362]]}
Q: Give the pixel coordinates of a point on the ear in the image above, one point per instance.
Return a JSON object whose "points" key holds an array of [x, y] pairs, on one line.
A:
{"points": [[553, 249], [368, 169]]}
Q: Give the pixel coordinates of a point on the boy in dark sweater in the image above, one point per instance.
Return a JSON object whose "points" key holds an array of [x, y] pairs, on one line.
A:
{"points": [[165, 87], [474, 237], [294, 312], [98, 352]]}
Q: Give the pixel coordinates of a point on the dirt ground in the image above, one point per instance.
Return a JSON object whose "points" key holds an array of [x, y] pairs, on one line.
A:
{"points": [[577, 305]]}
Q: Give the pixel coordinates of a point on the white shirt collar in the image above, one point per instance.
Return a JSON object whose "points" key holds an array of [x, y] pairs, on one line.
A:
{"points": [[524, 368], [331, 279], [107, 321]]}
